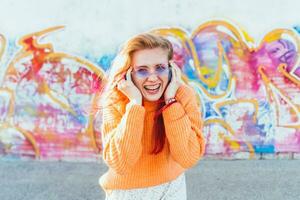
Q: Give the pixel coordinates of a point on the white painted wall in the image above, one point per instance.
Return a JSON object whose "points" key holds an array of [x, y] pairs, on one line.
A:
{"points": [[96, 27]]}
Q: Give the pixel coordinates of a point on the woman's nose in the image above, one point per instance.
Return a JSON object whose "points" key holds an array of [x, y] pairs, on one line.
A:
{"points": [[152, 77]]}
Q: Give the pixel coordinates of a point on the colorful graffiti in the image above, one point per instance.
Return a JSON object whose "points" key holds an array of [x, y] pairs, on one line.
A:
{"points": [[46, 98], [249, 93]]}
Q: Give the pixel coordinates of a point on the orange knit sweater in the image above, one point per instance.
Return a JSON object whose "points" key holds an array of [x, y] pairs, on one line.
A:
{"points": [[127, 142]]}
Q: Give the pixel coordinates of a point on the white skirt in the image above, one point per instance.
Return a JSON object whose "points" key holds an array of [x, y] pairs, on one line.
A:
{"points": [[174, 190]]}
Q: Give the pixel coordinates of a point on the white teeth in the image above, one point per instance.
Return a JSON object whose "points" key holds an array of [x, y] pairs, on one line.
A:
{"points": [[152, 87]]}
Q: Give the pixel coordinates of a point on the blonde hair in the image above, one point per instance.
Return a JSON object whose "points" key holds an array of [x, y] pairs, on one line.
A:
{"points": [[123, 61]]}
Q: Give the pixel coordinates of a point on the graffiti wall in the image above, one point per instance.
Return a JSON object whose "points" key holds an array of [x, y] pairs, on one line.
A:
{"points": [[249, 91], [46, 98]]}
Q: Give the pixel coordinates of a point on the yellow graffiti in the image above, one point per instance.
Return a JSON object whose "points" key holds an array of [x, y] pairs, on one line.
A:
{"points": [[100, 73], [8, 124], [233, 144], [282, 69], [2, 45], [238, 33], [244, 42], [191, 50], [276, 94], [48, 49], [253, 102], [11, 100], [31, 45], [281, 33], [231, 137], [239, 39]]}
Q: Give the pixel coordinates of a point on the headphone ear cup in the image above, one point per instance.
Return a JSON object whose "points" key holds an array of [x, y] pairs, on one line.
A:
{"points": [[170, 74]]}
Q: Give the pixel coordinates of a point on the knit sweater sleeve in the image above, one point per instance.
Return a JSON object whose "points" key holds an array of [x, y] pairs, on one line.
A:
{"points": [[183, 126], [121, 137]]}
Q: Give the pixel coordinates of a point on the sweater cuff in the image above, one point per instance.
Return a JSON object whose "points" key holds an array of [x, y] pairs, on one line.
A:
{"points": [[173, 112]]}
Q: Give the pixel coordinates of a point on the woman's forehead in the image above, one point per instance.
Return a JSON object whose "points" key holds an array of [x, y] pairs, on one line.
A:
{"points": [[150, 57]]}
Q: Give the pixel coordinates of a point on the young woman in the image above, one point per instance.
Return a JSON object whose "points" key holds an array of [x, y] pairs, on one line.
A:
{"points": [[152, 127]]}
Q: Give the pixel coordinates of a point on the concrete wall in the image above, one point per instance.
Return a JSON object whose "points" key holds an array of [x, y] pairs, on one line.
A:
{"points": [[242, 58]]}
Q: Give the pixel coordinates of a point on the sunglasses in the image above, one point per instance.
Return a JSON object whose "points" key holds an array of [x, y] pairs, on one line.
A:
{"points": [[160, 70]]}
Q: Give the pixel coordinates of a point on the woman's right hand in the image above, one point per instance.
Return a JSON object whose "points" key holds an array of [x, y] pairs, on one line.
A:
{"points": [[128, 88]]}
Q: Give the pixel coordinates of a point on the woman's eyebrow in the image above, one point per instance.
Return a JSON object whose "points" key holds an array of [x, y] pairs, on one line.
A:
{"points": [[142, 66], [155, 65]]}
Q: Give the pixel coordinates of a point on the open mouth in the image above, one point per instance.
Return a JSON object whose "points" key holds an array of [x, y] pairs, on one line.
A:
{"points": [[152, 89]]}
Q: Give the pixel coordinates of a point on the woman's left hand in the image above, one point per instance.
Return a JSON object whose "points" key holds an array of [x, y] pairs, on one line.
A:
{"points": [[175, 82]]}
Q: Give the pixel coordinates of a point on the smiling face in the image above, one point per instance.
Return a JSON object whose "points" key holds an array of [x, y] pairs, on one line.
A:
{"points": [[150, 72]]}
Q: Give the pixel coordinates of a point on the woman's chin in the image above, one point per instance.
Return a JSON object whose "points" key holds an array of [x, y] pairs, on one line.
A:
{"points": [[152, 96]]}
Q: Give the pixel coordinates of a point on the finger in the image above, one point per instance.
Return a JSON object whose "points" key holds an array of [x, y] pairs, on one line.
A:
{"points": [[121, 83], [174, 74], [177, 68], [178, 71], [179, 75], [173, 64], [120, 78], [180, 78]]}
